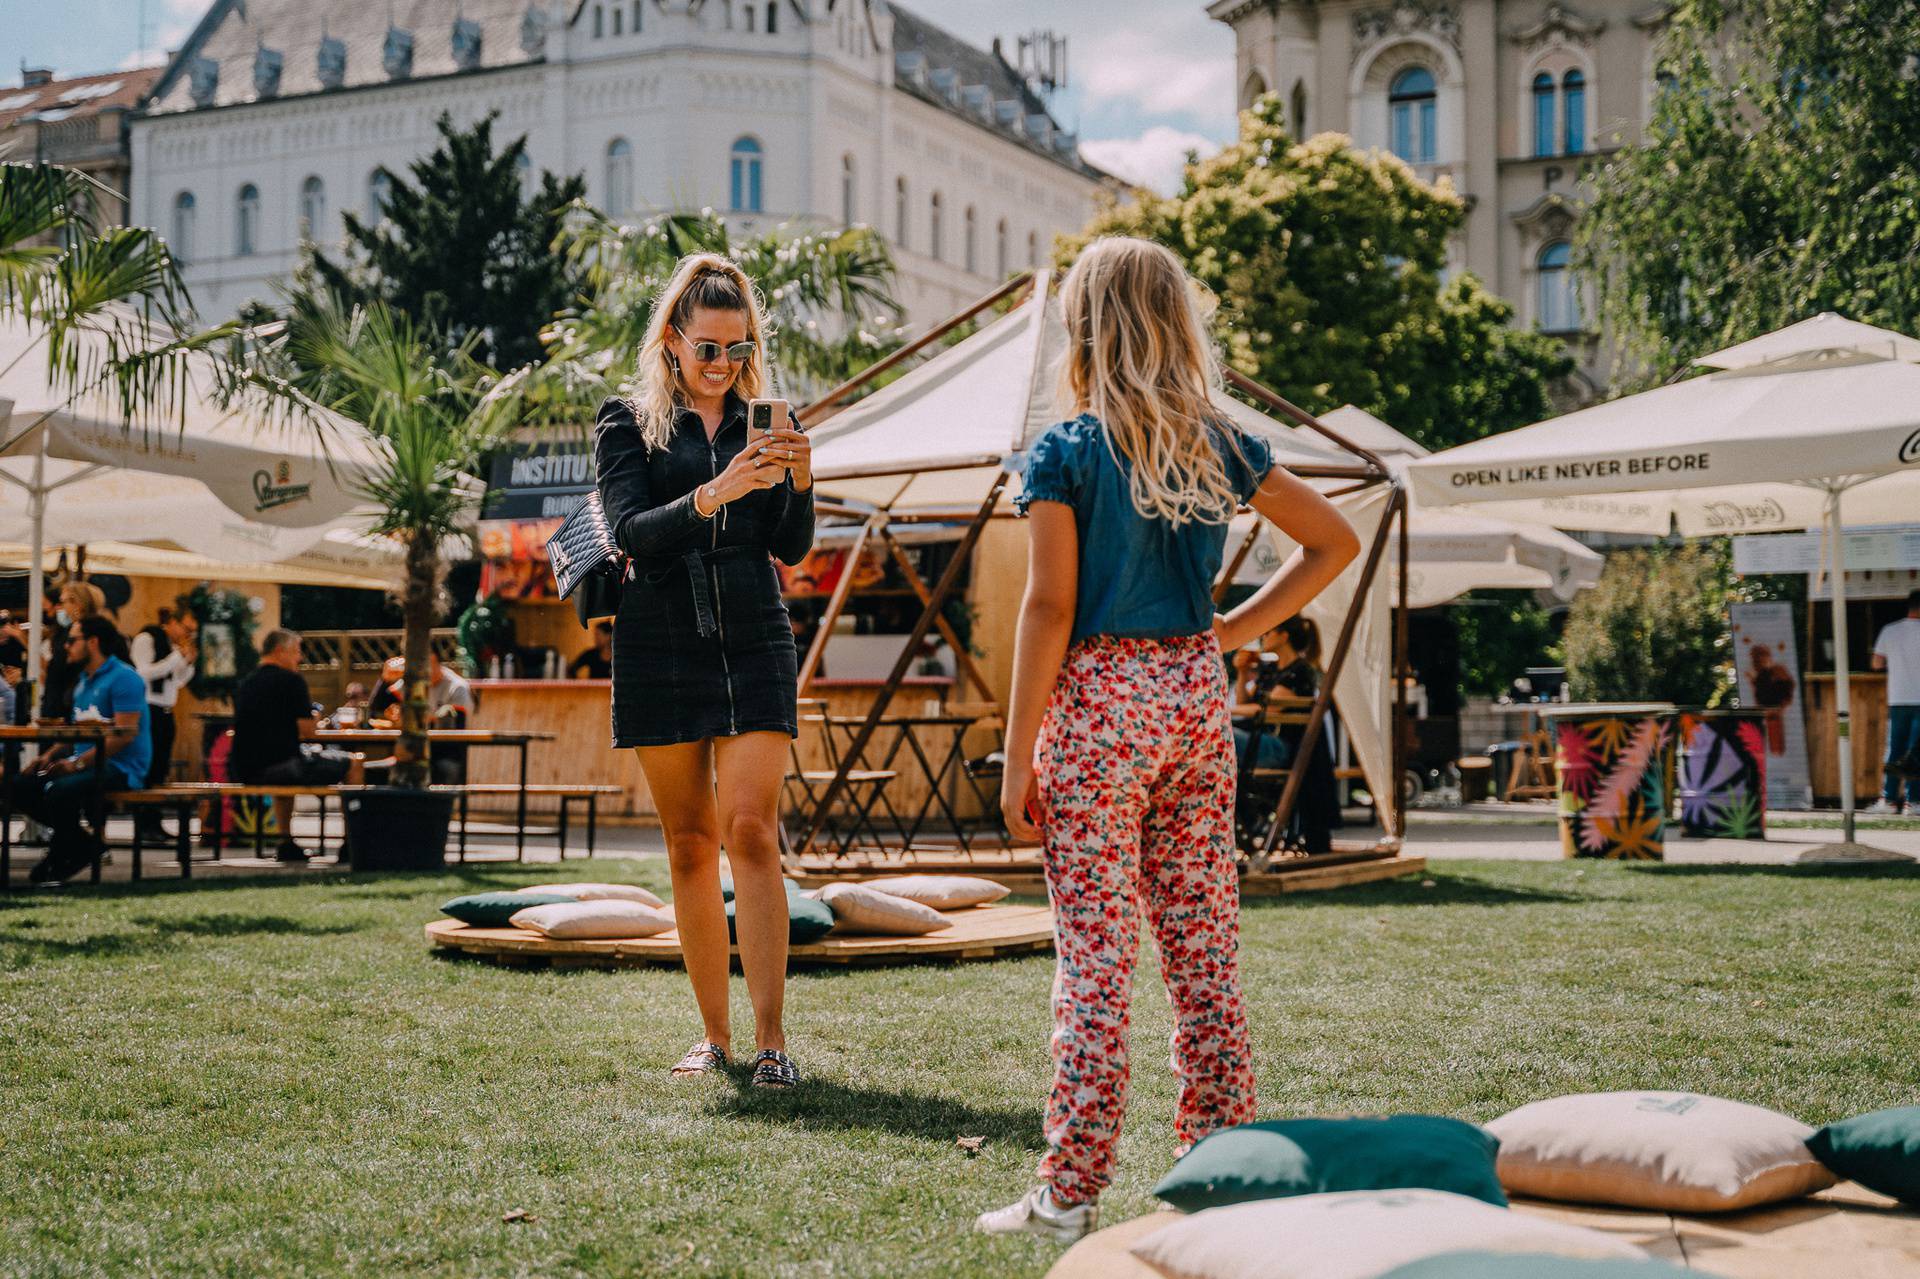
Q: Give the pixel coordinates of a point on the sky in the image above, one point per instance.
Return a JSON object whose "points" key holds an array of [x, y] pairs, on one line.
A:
{"points": [[1147, 79]]}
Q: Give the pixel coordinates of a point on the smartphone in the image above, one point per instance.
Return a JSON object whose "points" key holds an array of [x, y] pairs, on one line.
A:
{"points": [[763, 416]]}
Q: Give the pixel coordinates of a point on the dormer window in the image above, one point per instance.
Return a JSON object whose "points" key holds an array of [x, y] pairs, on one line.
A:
{"points": [[330, 63], [266, 71], [396, 53], [466, 43]]}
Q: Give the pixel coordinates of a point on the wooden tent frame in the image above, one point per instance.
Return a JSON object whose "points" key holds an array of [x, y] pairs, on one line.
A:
{"points": [[1368, 472]]}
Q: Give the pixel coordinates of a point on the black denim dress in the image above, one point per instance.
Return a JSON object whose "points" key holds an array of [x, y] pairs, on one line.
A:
{"points": [[702, 646]]}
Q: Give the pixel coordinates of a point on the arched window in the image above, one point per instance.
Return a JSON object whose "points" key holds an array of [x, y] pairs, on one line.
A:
{"points": [[523, 169], [971, 253], [773, 18], [745, 185], [1299, 108], [1558, 311], [1574, 108], [1250, 91], [183, 217], [1543, 114], [313, 208], [618, 18], [636, 15], [900, 211], [379, 192], [599, 21], [1000, 250], [1033, 249], [846, 190], [749, 19], [619, 176], [246, 222], [935, 247], [1410, 111]]}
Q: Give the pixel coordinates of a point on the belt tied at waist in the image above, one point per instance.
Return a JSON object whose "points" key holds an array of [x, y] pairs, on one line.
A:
{"points": [[656, 570]]}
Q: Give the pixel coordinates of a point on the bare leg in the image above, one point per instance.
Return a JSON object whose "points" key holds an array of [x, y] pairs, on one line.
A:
{"points": [[749, 768], [681, 779]]}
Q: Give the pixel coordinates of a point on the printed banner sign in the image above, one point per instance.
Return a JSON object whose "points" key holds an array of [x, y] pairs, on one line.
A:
{"points": [[1768, 663]]}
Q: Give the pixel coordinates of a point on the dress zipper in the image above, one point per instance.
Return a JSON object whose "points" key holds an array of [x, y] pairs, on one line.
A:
{"points": [[719, 609]]}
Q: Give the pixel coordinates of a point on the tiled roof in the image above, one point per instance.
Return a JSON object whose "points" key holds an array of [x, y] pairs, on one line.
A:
{"points": [[82, 95], [942, 69], [234, 31]]}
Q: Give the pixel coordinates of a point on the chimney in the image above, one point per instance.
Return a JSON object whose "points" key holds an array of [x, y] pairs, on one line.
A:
{"points": [[34, 77]]}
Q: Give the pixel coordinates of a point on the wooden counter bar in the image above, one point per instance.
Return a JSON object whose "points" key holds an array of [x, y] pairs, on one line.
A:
{"points": [[1868, 693], [579, 714]]}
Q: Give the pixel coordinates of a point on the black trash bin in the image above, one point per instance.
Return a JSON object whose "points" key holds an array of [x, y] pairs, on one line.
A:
{"points": [[397, 828]]}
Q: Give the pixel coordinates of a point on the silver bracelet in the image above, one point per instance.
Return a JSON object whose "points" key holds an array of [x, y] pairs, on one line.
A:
{"points": [[712, 493]]}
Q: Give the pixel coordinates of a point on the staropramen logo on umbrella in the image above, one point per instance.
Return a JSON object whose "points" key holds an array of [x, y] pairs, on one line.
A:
{"points": [[275, 488]]}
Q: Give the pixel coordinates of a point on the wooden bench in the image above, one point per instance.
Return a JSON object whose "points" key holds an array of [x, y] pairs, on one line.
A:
{"points": [[184, 798]]}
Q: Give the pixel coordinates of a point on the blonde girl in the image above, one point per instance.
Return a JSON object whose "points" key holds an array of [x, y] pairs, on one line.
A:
{"points": [[704, 670], [1119, 745]]}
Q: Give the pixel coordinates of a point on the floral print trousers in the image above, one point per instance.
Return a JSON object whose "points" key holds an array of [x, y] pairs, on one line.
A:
{"points": [[1135, 767]]}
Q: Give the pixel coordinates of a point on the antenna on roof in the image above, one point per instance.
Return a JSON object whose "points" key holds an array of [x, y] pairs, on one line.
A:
{"points": [[1043, 61]]}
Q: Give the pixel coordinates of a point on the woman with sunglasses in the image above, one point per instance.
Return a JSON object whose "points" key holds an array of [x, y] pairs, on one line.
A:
{"points": [[704, 670]]}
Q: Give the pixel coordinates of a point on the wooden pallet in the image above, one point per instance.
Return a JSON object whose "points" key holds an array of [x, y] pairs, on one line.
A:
{"points": [[980, 932], [1024, 877]]}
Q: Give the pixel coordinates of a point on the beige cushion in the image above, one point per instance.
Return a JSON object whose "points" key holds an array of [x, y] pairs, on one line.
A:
{"points": [[1669, 1151], [590, 920], [600, 893], [941, 892], [1356, 1234], [859, 909]]}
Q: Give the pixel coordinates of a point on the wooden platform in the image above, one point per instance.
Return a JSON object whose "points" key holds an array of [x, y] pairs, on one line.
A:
{"points": [[980, 932], [1021, 871], [1847, 1230]]}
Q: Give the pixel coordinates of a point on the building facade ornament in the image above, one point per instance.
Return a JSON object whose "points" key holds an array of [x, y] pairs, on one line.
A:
{"points": [[1408, 17], [1558, 25]]}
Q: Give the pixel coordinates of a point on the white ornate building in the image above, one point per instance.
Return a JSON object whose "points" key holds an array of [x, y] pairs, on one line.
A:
{"points": [[1510, 98], [277, 114]]}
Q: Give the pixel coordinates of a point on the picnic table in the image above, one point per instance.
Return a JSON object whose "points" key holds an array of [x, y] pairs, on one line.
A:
{"points": [[12, 736], [511, 739]]}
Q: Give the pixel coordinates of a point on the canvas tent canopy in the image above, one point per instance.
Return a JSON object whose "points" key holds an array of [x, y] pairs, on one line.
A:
{"points": [[946, 437], [1815, 423]]}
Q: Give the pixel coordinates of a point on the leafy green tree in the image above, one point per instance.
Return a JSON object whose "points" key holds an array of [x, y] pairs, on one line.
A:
{"points": [[1655, 628], [1776, 180], [1500, 634], [829, 295], [461, 249], [436, 413], [1326, 261]]}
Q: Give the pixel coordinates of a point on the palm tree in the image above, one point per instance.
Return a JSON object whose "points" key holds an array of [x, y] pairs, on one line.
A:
{"points": [[828, 293], [434, 414]]}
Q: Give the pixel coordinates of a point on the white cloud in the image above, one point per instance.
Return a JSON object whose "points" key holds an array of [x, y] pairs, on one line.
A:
{"points": [[142, 58], [1158, 72], [1153, 159]]}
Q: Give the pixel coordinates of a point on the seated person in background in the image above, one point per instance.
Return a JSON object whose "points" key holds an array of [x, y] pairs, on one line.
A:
{"points": [[385, 703], [273, 726], [450, 704], [63, 784], [1288, 673], [595, 662], [352, 710]]}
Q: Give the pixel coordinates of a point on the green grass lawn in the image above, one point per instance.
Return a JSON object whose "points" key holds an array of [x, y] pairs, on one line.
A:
{"points": [[251, 1077]]}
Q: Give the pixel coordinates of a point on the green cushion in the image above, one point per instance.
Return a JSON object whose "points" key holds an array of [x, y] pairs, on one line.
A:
{"points": [[807, 920], [1276, 1158], [493, 910], [1880, 1150], [726, 888], [1529, 1265]]}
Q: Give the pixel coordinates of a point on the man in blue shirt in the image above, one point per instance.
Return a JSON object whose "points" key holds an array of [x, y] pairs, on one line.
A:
{"points": [[64, 786]]}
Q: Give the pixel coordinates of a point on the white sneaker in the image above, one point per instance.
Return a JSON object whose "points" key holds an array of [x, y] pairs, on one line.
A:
{"points": [[1037, 1214], [1880, 808]]}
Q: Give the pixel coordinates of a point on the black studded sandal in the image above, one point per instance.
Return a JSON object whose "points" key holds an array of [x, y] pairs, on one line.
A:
{"points": [[774, 1069], [704, 1058]]}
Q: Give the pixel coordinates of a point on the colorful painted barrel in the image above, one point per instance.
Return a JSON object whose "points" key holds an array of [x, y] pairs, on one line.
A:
{"points": [[1613, 764], [1723, 774]]}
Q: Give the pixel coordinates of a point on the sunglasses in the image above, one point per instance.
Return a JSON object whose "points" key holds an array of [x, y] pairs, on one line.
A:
{"points": [[708, 352]]}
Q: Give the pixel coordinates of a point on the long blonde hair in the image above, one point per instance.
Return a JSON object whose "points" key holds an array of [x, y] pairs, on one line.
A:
{"points": [[701, 280], [1138, 358]]}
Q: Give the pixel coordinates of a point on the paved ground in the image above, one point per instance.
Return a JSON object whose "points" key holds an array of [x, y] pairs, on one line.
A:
{"points": [[1517, 832]]}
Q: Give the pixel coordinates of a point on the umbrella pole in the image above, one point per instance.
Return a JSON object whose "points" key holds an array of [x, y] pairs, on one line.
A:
{"points": [[1842, 696]]}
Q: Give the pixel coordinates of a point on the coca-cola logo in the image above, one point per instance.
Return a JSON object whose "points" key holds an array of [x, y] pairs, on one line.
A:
{"points": [[1910, 451], [1734, 515]]}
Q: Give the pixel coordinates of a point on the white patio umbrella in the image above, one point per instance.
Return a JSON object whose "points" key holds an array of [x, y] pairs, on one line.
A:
{"points": [[1450, 552], [1771, 438], [273, 475]]}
